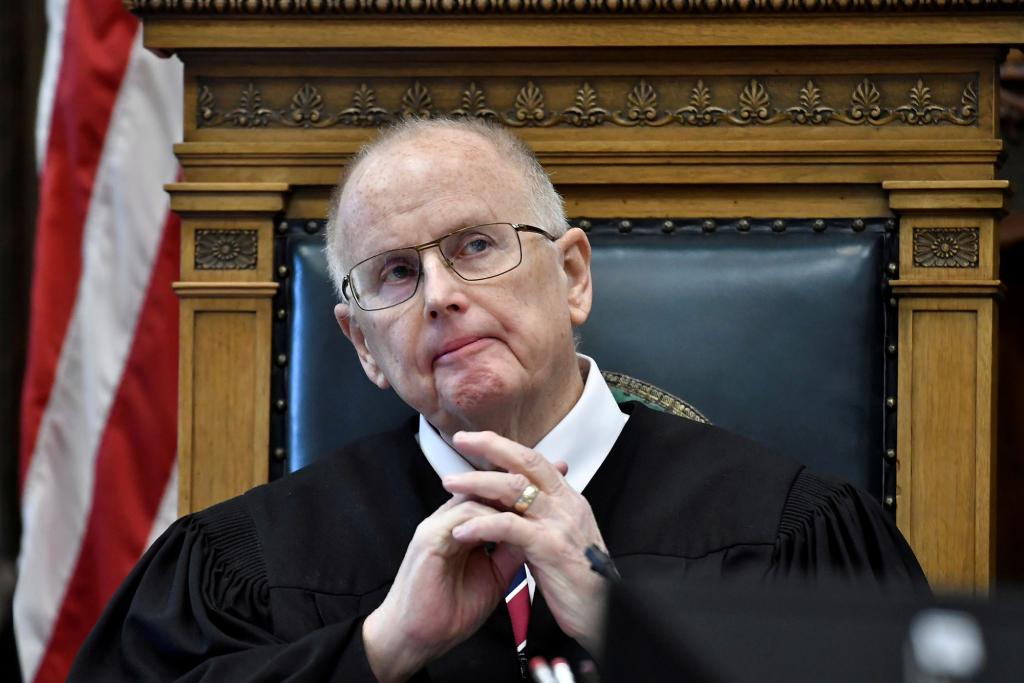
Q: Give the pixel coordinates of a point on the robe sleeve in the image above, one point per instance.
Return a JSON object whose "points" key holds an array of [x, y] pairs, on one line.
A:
{"points": [[834, 533], [196, 608]]}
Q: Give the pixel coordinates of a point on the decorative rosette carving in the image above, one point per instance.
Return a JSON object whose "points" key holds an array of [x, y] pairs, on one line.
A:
{"points": [[226, 249], [946, 247]]}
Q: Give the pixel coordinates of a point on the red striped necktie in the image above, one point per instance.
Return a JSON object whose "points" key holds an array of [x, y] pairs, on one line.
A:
{"points": [[517, 599]]}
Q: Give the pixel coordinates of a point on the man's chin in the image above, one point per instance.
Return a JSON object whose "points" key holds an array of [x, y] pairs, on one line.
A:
{"points": [[475, 399]]}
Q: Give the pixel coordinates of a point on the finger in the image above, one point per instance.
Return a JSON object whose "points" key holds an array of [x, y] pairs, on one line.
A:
{"points": [[510, 456], [452, 502], [562, 467], [497, 527], [499, 487], [461, 511], [436, 529]]}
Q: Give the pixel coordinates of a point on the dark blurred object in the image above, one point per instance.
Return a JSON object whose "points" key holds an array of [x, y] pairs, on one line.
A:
{"points": [[22, 33], [1010, 438], [660, 631], [1011, 96], [1010, 475]]}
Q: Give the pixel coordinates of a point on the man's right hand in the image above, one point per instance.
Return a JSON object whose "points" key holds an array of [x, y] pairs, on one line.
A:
{"points": [[443, 593]]}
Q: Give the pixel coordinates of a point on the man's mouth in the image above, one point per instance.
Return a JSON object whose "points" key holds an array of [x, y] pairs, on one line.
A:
{"points": [[457, 348]]}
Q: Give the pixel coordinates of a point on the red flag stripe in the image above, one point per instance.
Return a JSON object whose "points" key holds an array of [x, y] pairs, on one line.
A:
{"points": [[84, 359], [97, 44], [135, 460]]}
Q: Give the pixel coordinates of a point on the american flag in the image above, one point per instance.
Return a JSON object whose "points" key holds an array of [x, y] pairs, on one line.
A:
{"points": [[99, 401]]}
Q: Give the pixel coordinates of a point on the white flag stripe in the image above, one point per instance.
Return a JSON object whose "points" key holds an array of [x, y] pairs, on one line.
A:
{"points": [[117, 260], [56, 17]]}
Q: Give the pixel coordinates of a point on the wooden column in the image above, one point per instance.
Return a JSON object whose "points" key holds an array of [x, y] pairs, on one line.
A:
{"points": [[224, 356], [947, 289]]}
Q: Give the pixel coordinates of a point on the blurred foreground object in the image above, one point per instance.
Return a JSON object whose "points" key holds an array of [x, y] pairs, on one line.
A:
{"points": [[661, 632]]}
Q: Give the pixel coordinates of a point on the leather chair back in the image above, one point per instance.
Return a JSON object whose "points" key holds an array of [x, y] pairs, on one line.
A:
{"points": [[777, 330]]}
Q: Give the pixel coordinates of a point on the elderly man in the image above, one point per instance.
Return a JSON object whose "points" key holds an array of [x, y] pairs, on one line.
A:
{"points": [[461, 285]]}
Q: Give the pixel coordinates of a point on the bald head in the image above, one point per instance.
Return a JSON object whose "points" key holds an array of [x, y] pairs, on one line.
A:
{"points": [[467, 167]]}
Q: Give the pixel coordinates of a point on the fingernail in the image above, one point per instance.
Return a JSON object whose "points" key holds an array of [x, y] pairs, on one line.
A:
{"points": [[459, 532]]}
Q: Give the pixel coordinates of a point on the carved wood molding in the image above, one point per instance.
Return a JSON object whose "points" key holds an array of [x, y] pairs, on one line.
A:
{"points": [[225, 290], [788, 101], [946, 247], [562, 7], [226, 249]]}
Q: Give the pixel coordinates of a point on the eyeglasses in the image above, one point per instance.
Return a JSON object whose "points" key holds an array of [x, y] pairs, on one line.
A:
{"points": [[478, 252]]}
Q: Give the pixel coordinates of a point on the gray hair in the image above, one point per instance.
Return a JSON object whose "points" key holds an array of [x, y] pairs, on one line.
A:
{"points": [[545, 204]]}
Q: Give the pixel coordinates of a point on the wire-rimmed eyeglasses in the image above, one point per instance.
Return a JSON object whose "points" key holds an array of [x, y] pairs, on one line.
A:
{"points": [[477, 252]]}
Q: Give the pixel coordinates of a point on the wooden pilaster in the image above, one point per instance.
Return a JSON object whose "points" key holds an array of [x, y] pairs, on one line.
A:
{"points": [[224, 355], [947, 289]]}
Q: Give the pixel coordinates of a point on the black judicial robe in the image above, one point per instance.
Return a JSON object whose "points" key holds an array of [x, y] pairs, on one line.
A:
{"points": [[274, 584]]}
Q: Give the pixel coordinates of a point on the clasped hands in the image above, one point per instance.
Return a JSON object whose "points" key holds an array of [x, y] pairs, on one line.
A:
{"points": [[462, 558]]}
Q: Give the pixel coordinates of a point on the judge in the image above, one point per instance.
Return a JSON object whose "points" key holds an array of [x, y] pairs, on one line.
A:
{"points": [[453, 546]]}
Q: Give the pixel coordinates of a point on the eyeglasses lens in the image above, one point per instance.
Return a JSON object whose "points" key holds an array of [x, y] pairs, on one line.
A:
{"points": [[476, 253], [482, 251]]}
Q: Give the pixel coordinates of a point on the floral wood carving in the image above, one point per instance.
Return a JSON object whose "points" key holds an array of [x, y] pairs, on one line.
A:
{"points": [[306, 108], [364, 111], [699, 112], [474, 104], [206, 108], [417, 103], [810, 110], [920, 110], [584, 112], [226, 249], [946, 247], [755, 104], [641, 108], [544, 7], [967, 114], [865, 107], [529, 109], [250, 112]]}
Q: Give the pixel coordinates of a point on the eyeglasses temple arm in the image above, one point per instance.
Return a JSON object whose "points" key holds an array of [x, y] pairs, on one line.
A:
{"points": [[529, 228]]}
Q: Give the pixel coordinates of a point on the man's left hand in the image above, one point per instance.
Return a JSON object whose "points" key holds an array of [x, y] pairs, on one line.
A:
{"points": [[553, 532]]}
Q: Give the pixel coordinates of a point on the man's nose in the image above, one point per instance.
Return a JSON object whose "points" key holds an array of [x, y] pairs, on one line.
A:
{"points": [[442, 287]]}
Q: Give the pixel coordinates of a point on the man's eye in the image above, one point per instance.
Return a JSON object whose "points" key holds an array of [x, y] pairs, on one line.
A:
{"points": [[397, 272], [474, 244]]}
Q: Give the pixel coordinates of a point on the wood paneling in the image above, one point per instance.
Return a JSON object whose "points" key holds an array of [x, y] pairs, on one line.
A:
{"points": [[942, 346], [223, 372]]}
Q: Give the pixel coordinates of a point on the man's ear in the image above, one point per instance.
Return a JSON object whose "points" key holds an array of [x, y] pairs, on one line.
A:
{"points": [[350, 327], [576, 265]]}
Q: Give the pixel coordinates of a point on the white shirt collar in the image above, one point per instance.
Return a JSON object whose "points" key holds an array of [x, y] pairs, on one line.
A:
{"points": [[583, 438]]}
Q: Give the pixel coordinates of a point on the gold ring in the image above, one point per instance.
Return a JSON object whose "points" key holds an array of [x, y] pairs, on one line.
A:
{"points": [[526, 498]]}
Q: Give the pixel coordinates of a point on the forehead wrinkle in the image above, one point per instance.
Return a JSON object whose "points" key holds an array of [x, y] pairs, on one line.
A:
{"points": [[393, 182]]}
